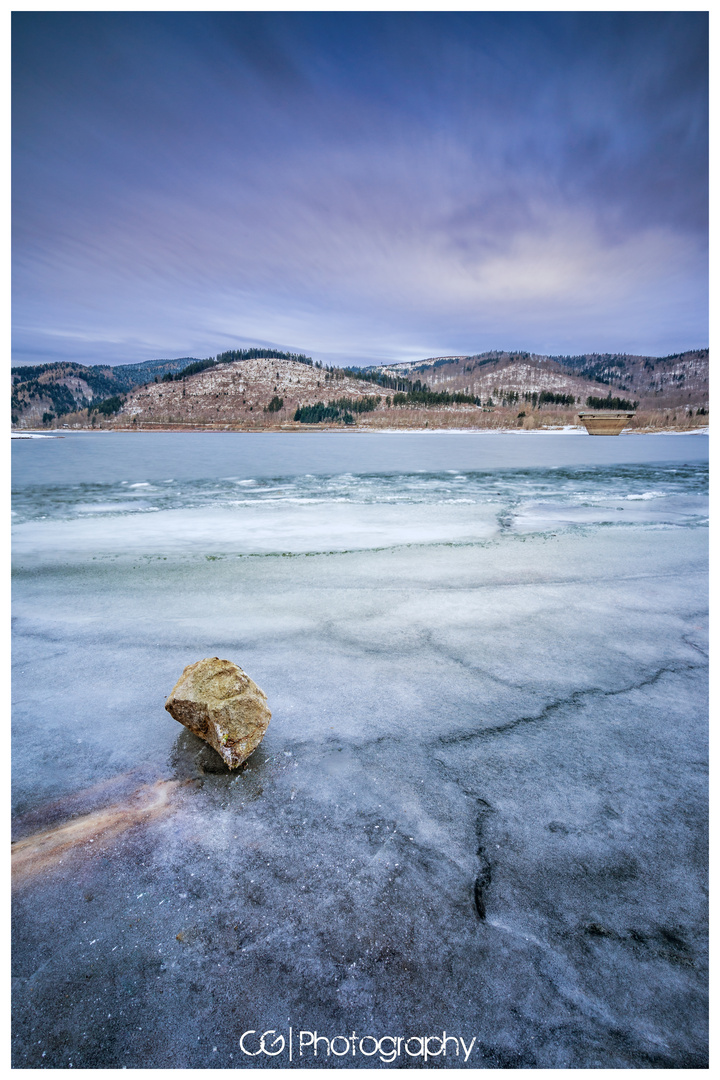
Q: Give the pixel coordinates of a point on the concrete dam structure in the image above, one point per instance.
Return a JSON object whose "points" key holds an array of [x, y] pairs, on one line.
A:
{"points": [[605, 421]]}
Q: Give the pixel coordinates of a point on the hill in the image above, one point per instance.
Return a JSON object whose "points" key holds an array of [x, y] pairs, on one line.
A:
{"points": [[255, 393], [44, 393], [257, 389], [63, 388], [673, 382]]}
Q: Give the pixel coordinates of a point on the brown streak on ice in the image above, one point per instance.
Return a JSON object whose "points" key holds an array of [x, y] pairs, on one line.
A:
{"points": [[44, 850]]}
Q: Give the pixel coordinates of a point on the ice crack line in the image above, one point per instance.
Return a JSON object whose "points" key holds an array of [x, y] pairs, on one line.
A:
{"points": [[484, 876], [574, 699], [483, 879]]}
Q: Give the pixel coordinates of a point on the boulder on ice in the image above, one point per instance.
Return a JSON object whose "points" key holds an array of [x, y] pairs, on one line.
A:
{"points": [[217, 701]]}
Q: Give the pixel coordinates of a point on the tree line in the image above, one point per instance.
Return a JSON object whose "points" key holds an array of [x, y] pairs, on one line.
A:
{"points": [[231, 356], [610, 402], [340, 410], [434, 397]]}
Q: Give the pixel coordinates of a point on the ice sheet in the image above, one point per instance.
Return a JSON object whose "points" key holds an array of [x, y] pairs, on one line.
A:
{"points": [[480, 806]]}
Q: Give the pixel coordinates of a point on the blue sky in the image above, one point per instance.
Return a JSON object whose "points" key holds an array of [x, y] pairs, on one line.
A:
{"points": [[362, 187]]}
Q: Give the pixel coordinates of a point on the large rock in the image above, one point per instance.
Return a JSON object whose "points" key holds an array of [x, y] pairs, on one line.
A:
{"points": [[216, 700]]}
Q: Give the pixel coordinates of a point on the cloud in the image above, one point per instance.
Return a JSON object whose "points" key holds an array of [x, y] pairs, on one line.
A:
{"points": [[358, 185]]}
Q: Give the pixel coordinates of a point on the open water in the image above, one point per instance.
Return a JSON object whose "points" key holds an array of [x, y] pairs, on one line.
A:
{"points": [[480, 806]]}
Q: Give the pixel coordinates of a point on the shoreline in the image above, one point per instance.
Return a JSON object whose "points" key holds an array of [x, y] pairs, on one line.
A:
{"points": [[570, 429]]}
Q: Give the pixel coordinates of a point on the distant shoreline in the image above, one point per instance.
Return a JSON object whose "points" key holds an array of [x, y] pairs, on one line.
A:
{"points": [[35, 433]]}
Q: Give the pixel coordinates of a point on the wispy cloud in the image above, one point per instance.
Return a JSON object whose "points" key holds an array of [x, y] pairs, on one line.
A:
{"points": [[358, 186]]}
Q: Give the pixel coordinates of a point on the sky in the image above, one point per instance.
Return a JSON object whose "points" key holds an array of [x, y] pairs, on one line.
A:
{"points": [[361, 187]]}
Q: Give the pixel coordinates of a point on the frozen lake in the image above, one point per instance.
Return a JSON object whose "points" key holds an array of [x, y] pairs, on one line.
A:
{"points": [[480, 808]]}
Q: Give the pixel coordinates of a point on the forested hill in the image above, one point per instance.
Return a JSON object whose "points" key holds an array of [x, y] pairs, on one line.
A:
{"points": [[129, 375], [259, 386], [63, 388], [44, 392], [678, 380]]}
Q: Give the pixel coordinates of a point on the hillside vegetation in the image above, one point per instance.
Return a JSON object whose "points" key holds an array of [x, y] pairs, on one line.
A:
{"points": [[258, 389]]}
